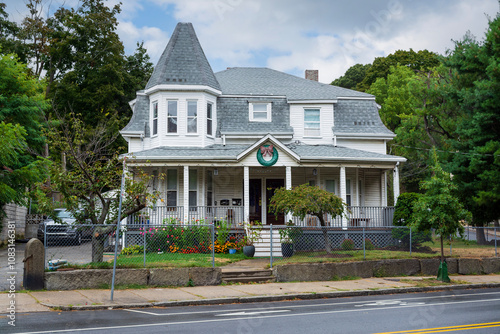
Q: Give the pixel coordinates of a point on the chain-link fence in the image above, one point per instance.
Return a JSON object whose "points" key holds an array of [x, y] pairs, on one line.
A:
{"points": [[199, 244]]}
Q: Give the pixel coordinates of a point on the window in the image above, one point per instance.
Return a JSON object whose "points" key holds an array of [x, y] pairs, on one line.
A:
{"points": [[172, 117], [209, 119], [155, 118], [172, 187], [348, 192], [260, 112], [193, 189], [210, 187], [330, 186], [311, 123], [192, 117]]}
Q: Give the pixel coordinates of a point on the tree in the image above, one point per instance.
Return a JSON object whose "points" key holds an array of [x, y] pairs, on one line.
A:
{"points": [[352, 77], [422, 60], [89, 180], [476, 168], [22, 106], [308, 200], [438, 207], [403, 216]]}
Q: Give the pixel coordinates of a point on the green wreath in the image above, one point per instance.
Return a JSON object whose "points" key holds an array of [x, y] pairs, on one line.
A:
{"points": [[269, 163]]}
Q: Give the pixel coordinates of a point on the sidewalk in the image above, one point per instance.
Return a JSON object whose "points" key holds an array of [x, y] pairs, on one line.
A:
{"points": [[238, 293]]}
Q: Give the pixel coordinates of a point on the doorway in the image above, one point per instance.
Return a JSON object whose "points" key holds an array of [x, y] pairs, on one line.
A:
{"points": [[271, 186], [255, 186]]}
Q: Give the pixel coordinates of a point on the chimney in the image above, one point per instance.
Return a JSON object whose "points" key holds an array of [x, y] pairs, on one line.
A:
{"points": [[312, 75]]}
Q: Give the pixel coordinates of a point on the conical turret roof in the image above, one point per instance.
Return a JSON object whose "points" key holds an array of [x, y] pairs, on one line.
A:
{"points": [[183, 61]]}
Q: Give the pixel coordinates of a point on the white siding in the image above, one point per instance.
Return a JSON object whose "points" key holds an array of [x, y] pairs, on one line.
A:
{"points": [[372, 188], [228, 184], [370, 145], [283, 159], [135, 145], [326, 122]]}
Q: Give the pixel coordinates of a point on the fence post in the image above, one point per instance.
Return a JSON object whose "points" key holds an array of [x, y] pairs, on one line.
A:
{"points": [[468, 236], [213, 244], [45, 246], [271, 237], [364, 248], [144, 247], [410, 240], [450, 247], [496, 237]]}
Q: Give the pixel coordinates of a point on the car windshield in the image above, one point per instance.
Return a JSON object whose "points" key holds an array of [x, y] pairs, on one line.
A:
{"points": [[61, 214]]}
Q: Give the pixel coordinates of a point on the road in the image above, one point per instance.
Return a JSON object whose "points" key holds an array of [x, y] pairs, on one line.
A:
{"points": [[473, 310]]}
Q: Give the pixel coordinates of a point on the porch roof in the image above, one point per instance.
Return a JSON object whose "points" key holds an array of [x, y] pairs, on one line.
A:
{"points": [[230, 153]]}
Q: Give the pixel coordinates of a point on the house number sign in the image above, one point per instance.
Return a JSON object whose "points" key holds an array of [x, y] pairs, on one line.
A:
{"points": [[267, 151]]}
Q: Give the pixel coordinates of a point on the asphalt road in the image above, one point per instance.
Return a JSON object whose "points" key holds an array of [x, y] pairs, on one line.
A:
{"points": [[476, 311]]}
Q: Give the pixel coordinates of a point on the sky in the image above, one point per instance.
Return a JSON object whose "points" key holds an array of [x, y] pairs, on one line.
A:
{"points": [[295, 35]]}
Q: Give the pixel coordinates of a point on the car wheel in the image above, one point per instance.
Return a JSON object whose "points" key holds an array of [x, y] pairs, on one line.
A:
{"points": [[78, 238]]}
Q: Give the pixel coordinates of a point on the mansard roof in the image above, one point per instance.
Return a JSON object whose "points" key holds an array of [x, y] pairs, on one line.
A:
{"points": [[183, 62], [268, 82]]}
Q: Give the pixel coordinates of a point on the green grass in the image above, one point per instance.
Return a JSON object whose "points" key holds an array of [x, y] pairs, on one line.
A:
{"points": [[455, 243]]}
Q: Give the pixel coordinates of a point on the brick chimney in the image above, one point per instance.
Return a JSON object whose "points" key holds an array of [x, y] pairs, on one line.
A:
{"points": [[312, 75]]}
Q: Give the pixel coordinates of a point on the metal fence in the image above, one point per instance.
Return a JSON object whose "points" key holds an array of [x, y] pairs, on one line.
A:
{"points": [[172, 244]]}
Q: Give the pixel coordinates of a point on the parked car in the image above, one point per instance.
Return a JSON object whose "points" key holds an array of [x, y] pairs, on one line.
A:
{"points": [[63, 229]]}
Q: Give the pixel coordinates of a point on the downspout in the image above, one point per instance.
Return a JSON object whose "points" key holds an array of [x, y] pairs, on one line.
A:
{"points": [[334, 140], [223, 140]]}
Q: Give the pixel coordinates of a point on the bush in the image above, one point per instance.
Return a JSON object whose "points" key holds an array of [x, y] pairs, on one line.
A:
{"points": [[348, 245], [178, 239], [403, 216], [136, 249], [369, 244]]}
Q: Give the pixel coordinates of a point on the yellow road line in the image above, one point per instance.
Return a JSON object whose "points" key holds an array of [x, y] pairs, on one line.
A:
{"points": [[446, 329]]}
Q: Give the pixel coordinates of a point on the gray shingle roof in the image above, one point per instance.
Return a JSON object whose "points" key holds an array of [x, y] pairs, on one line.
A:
{"points": [[230, 152], [360, 117], [140, 118], [233, 116], [183, 61], [265, 81]]}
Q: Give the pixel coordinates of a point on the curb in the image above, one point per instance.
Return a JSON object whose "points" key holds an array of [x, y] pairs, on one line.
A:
{"points": [[275, 298]]}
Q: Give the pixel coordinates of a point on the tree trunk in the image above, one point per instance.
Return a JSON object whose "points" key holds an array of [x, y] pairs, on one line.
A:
{"points": [[328, 245], [480, 238], [442, 249], [97, 248]]}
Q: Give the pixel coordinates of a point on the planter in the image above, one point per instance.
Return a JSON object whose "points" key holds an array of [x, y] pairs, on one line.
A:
{"points": [[232, 251], [249, 250], [287, 250]]}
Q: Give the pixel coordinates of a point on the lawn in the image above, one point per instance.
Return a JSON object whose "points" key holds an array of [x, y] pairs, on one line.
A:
{"points": [[462, 248]]}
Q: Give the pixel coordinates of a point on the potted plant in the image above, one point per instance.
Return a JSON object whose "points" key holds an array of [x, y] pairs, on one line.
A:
{"points": [[288, 237], [252, 234]]}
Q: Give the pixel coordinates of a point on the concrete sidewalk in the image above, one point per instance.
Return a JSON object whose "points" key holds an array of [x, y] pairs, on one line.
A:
{"points": [[238, 293]]}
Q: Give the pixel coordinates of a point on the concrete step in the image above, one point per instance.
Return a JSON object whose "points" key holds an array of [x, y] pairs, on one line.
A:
{"points": [[249, 279], [246, 276]]}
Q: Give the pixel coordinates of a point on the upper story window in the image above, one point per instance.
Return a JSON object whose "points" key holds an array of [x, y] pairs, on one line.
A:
{"points": [[311, 123], [209, 119], [192, 116], [260, 112], [155, 118], [172, 117]]}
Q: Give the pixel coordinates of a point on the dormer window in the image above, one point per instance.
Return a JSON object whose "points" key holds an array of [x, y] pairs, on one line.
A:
{"points": [[172, 117], [155, 118], [311, 123], [192, 117], [260, 112], [209, 119]]}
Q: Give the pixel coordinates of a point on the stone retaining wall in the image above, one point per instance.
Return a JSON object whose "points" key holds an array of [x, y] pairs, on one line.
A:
{"points": [[99, 278], [382, 268]]}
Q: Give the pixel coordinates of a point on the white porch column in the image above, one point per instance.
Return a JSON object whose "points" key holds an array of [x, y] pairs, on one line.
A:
{"points": [[383, 188], [203, 201], [343, 193], [186, 194], [356, 189], [288, 184], [246, 194], [396, 183]]}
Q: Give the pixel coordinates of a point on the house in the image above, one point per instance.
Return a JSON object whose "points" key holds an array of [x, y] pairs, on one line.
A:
{"points": [[226, 140]]}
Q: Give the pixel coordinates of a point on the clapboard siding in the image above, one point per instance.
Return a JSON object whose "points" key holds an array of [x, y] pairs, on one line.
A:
{"points": [[326, 122], [371, 145]]}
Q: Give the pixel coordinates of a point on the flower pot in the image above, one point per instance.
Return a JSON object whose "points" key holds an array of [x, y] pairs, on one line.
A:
{"points": [[249, 250], [287, 250], [232, 251]]}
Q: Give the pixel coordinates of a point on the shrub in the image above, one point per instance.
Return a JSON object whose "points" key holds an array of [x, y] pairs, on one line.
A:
{"points": [[347, 244], [369, 244], [403, 216], [136, 249]]}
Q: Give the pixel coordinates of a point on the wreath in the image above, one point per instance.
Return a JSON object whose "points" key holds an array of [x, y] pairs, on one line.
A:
{"points": [[266, 150]]}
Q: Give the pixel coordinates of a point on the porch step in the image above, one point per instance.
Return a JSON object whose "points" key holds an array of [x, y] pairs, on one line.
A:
{"points": [[263, 246], [247, 276]]}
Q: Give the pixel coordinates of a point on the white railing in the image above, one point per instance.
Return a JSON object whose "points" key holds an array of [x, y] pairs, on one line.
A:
{"points": [[356, 216]]}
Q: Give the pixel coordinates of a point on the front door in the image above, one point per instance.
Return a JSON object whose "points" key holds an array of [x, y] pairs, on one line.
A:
{"points": [[271, 185], [255, 200]]}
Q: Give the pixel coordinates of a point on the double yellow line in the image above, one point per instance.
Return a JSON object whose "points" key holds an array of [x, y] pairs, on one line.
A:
{"points": [[447, 329]]}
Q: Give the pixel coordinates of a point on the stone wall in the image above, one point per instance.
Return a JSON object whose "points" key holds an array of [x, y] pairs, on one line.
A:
{"points": [[17, 214]]}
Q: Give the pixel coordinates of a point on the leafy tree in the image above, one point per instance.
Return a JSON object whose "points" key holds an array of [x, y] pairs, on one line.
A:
{"points": [[22, 106], [403, 216], [89, 181], [422, 60], [476, 168], [438, 207], [9, 36], [352, 77], [308, 200]]}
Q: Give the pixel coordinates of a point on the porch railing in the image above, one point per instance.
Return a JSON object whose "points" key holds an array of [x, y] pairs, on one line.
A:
{"points": [[211, 214], [155, 216], [356, 216]]}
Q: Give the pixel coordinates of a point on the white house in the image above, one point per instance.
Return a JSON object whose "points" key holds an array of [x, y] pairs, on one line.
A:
{"points": [[226, 140]]}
